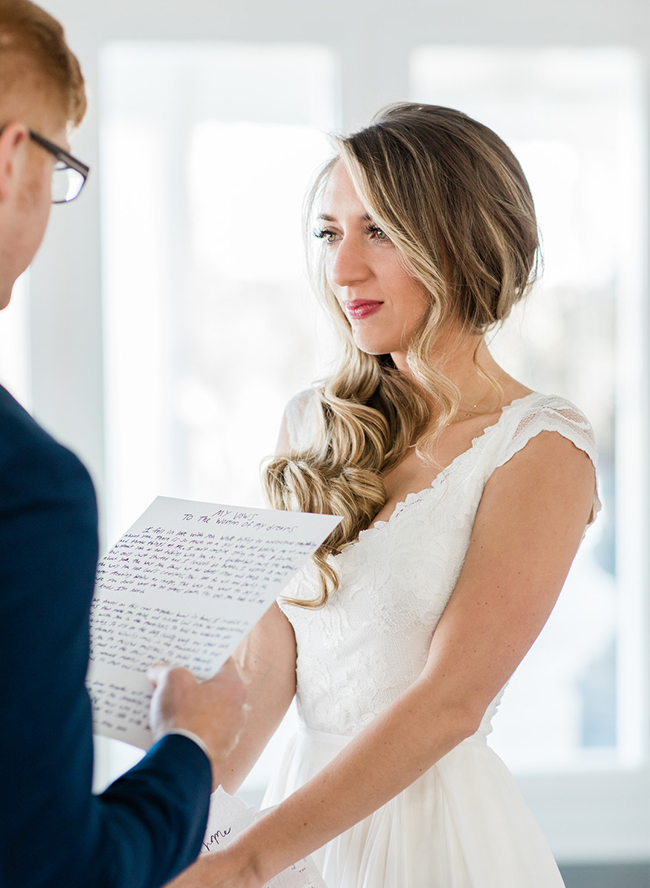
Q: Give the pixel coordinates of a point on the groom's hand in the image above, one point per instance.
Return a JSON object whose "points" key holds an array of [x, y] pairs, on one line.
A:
{"points": [[214, 710]]}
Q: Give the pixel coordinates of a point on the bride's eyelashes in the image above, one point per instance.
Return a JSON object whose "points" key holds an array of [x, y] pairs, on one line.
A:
{"points": [[325, 234], [379, 235], [374, 231]]}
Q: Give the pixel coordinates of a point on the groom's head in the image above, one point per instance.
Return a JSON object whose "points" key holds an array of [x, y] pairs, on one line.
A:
{"points": [[41, 93]]}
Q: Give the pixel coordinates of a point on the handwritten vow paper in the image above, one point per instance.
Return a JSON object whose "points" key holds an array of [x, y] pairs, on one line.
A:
{"points": [[183, 586], [230, 816]]}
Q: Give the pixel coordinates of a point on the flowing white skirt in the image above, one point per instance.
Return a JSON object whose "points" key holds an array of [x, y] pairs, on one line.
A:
{"points": [[462, 824]]}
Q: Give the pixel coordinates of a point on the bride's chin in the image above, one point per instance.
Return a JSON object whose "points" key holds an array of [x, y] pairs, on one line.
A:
{"points": [[373, 345]]}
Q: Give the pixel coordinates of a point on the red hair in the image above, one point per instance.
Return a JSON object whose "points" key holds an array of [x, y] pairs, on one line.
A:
{"points": [[28, 34]]}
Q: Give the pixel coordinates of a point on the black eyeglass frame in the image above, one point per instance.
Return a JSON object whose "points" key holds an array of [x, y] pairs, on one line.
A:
{"points": [[63, 157]]}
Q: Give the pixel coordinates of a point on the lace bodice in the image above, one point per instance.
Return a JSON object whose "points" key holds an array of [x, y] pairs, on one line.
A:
{"points": [[370, 641]]}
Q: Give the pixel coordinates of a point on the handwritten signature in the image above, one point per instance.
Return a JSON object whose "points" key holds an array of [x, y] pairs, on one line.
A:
{"points": [[215, 837]]}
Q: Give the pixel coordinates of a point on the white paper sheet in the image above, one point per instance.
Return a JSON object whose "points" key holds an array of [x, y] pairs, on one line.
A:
{"points": [[230, 816], [183, 586]]}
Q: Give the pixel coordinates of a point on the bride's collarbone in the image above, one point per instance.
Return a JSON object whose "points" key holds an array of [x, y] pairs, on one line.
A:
{"points": [[415, 472]]}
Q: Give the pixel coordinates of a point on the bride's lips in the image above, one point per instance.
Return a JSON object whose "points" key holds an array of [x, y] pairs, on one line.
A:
{"points": [[362, 308]]}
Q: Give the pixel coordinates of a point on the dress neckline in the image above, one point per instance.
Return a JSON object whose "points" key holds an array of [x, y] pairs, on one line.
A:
{"points": [[448, 469]]}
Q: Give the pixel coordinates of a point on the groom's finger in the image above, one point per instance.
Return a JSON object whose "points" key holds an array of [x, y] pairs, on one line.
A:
{"points": [[157, 672]]}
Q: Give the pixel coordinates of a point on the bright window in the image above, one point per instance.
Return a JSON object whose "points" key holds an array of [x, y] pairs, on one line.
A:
{"points": [[207, 153]]}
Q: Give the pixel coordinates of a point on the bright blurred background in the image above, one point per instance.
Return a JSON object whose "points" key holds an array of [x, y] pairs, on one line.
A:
{"points": [[168, 319]]}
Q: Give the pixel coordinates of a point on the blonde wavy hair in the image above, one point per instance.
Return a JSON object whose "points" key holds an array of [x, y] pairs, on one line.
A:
{"points": [[456, 204]]}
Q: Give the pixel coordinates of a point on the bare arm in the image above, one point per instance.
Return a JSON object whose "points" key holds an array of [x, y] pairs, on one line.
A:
{"points": [[266, 660], [527, 530]]}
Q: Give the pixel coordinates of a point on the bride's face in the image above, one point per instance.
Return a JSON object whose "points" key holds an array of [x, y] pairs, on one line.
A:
{"points": [[382, 301]]}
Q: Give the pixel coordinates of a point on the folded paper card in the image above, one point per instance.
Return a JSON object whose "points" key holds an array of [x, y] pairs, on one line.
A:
{"points": [[230, 816], [183, 586]]}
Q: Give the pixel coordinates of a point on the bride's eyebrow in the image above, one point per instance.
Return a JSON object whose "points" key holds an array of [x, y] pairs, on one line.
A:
{"points": [[327, 218]]}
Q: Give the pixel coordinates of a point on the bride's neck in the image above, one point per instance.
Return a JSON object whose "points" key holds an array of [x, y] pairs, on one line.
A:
{"points": [[466, 362]]}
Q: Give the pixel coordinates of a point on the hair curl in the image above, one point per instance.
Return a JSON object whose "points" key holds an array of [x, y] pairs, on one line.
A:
{"points": [[456, 204]]}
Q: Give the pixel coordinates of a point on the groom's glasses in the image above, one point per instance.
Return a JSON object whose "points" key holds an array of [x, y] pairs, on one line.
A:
{"points": [[69, 175]]}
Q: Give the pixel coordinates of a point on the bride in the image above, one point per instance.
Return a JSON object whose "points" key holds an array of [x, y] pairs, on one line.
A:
{"points": [[464, 498]]}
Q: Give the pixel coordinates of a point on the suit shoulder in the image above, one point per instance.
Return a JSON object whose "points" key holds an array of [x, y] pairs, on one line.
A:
{"points": [[31, 459], [19, 430]]}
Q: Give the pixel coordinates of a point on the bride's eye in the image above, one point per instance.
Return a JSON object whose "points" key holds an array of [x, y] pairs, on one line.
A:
{"points": [[377, 233], [325, 234]]}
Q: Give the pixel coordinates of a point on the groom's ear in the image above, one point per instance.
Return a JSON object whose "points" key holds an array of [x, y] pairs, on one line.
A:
{"points": [[14, 145]]}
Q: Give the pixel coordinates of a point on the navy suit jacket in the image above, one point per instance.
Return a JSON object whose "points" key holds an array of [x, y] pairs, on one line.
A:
{"points": [[54, 833]]}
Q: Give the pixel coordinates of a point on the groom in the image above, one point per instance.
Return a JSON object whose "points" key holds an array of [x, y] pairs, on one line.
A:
{"points": [[54, 833]]}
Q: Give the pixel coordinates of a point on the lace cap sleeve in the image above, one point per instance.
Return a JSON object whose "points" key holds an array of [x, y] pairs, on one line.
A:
{"points": [[300, 419], [552, 414]]}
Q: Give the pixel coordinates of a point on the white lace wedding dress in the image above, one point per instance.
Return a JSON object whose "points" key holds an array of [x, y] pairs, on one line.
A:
{"points": [[464, 823]]}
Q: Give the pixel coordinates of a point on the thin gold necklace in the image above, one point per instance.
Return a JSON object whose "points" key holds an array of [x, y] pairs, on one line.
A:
{"points": [[467, 413]]}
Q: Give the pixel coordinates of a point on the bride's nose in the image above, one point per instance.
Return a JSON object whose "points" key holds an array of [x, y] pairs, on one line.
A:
{"points": [[348, 264]]}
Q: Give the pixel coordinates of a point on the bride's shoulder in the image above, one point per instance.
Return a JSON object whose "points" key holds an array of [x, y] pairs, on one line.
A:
{"points": [[536, 413], [299, 418], [539, 412]]}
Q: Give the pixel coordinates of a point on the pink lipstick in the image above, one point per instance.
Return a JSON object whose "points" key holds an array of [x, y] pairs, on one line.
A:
{"points": [[362, 308]]}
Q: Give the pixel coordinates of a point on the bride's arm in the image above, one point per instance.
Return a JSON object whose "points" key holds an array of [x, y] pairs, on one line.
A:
{"points": [[266, 660], [526, 532]]}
